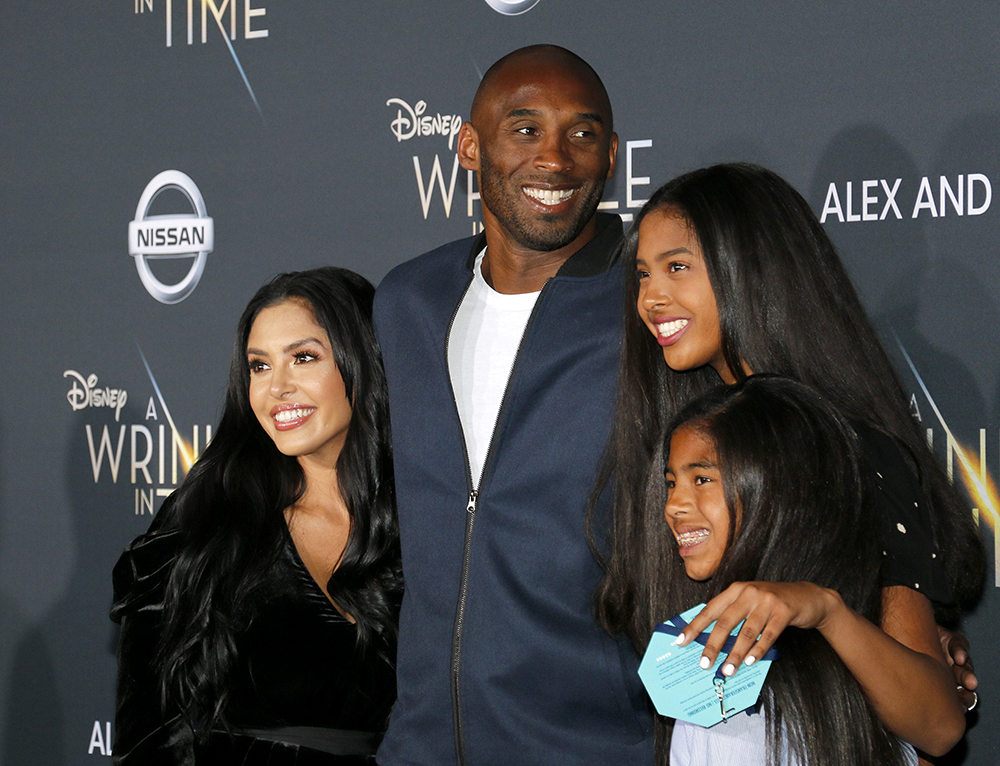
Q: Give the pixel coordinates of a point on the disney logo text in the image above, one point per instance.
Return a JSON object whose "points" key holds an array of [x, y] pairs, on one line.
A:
{"points": [[85, 393], [411, 121]]}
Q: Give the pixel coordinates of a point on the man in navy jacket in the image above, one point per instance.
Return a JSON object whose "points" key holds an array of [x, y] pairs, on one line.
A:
{"points": [[501, 356]]}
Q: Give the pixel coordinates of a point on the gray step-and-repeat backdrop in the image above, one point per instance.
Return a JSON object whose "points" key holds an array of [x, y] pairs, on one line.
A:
{"points": [[286, 135]]}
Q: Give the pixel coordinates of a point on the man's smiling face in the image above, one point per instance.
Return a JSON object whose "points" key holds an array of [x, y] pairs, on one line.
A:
{"points": [[545, 150]]}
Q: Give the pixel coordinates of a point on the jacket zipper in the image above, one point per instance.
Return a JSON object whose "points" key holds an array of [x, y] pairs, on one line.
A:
{"points": [[470, 515]]}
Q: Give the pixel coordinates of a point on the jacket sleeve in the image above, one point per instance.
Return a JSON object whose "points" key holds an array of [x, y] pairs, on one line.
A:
{"points": [[145, 734]]}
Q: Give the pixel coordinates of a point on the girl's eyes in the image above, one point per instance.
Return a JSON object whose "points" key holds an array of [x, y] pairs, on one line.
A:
{"points": [[304, 356], [672, 268], [698, 481], [256, 365]]}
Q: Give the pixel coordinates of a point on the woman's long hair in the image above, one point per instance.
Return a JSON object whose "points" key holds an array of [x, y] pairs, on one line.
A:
{"points": [[792, 466], [786, 306], [229, 509]]}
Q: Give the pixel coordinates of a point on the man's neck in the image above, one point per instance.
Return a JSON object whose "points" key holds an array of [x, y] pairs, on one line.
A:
{"points": [[511, 268]]}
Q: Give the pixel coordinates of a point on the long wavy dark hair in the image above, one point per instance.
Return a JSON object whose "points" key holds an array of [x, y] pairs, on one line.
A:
{"points": [[786, 306], [229, 509], [792, 466]]}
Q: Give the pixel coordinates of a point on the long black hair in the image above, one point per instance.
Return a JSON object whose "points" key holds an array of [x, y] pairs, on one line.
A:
{"points": [[229, 509], [792, 466], [786, 306]]}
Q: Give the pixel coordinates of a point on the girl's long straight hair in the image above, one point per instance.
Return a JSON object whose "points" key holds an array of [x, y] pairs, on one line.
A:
{"points": [[792, 466], [230, 507]]}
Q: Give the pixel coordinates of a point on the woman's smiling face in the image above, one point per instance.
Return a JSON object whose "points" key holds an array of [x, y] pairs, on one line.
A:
{"points": [[676, 300], [296, 390]]}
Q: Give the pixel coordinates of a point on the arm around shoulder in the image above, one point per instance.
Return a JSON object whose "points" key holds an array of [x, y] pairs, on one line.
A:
{"points": [[901, 667]]}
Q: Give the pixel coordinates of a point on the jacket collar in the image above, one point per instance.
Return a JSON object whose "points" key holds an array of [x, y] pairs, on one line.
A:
{"points": [[593, 258]]}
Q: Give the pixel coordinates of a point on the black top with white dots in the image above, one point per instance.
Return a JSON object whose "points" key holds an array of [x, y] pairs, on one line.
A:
{"points": [[912, 555]]}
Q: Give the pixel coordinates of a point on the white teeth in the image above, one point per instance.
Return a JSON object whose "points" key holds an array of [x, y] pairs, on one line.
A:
{"points": [[549, 196], [669, 328], [686, 539], [287, 416]]}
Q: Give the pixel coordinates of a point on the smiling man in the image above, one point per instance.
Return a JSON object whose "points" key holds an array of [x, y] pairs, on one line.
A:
{"points": [[501, 356]]}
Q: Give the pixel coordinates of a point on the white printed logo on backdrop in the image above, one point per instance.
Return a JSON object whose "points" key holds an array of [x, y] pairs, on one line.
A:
{"points": [[151, 454], [512, 7], [84, 393], [251, 26], [878, 199], [416, 121], [438, 178], [178, 235]]}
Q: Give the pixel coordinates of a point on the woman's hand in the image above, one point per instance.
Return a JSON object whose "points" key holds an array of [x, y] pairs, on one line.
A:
{"points": [[768, 608]]}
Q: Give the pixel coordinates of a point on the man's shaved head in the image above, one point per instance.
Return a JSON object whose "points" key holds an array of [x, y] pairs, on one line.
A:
{"points": [[519, 65], [541, 139]]}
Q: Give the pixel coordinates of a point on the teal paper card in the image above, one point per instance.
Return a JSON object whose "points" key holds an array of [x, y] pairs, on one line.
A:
{"points": [[679, 687]]}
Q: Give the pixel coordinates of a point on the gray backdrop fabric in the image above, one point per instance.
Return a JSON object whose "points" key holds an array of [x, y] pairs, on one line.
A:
{"points": [[314, 133]]}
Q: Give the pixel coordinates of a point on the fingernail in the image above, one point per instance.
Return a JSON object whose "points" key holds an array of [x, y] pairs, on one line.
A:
{"points": [[705, 663], [750, 660], [679, 641], [728, 669]]}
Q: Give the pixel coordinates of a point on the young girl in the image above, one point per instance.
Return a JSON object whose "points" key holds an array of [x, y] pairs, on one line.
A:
{"points": [[774, 522]]}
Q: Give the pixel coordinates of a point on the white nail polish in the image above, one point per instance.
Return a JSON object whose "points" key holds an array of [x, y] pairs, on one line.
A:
{"points": [[705, 663], [728, 669], [750, 660]]}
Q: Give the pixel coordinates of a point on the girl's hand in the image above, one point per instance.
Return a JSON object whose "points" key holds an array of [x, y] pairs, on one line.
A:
{"points": [[900, 666], [956, 650], [768, 608]]}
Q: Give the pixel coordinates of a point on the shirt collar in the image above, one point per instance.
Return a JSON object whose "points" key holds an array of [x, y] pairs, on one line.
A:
{"points": [[593, 258]]}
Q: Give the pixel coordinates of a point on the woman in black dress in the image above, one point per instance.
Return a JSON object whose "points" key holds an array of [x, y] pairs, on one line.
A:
{"points": [[259, 611]]}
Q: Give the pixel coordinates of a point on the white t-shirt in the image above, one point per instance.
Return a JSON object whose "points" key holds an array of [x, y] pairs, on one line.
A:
{"points": [[482, 346], [740, 741]]}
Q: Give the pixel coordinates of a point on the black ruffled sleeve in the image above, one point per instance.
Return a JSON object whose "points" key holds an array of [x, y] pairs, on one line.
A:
{"points": [[145, 735], [911, 553]]}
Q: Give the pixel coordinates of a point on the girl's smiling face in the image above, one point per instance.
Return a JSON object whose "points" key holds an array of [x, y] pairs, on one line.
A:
{"points": [[696, 505], [676, 300]]}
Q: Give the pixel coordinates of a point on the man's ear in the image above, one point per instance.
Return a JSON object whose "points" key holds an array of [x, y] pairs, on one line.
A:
{"points": [[468, 147], [613, 151]]}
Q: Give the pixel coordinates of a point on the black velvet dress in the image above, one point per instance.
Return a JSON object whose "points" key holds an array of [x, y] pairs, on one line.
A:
{"points": [[299, 692]]}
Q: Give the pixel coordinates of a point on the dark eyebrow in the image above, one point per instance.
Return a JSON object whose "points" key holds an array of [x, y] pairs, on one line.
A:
{"points": [[289, 347], [516, 113], [704, 465], [670, 253]]}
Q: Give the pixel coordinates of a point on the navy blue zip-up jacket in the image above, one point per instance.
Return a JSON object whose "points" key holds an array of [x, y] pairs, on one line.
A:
{"points": [[500, 660]]}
